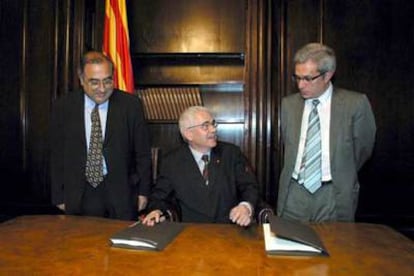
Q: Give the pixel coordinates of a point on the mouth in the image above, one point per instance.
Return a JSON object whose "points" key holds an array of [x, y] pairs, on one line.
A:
{"points": [[304, 93], [100, 95]]}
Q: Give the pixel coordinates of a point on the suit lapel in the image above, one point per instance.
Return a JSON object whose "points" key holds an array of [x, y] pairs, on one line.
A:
{"points": [[214, 166], [193, 171], [79, 116], [111, 118], [297, 107], [337, 113]]}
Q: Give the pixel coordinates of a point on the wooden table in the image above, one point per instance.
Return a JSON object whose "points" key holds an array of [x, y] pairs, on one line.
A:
{"points": [[62, 245]]}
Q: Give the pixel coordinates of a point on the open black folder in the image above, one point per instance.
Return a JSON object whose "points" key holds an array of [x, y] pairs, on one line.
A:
{"points": [[142, 237], [287, 237]]}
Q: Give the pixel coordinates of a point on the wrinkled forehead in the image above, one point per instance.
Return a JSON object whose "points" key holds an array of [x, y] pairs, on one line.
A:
{"points": [[98, 70], [306, 68], [202, 117]]}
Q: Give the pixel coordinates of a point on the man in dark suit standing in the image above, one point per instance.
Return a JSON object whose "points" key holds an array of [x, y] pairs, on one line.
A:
{"points": [[328, 134], [209, 181], [116, 181]]}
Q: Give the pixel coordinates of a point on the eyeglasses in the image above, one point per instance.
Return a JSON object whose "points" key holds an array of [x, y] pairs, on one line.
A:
{"points": [[307, 79], [206, 125], [106, 83]]}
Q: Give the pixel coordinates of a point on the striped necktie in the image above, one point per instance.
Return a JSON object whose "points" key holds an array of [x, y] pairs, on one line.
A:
{"points": [[205, 159], [310, 174], [94, 160]]}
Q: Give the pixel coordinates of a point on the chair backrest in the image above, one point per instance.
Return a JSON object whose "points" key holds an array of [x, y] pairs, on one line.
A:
{"points": [[263, 212], [172, 214], [155, 152]]}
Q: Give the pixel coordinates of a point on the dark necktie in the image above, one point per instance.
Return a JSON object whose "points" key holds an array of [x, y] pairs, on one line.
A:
{"points": [[205, 169], [310, 173], [94, 161]]}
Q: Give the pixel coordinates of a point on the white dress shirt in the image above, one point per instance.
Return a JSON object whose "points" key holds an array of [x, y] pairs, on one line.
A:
{"points": [[103, 112], [324, 111]]}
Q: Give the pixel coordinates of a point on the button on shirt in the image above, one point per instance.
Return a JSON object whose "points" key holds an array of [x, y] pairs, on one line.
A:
{"points": [[103, 111], [324, 111]]}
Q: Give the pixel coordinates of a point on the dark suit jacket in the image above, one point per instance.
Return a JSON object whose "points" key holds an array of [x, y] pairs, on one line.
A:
{"points": [[352, 137], [230, 182], [126, 149]]}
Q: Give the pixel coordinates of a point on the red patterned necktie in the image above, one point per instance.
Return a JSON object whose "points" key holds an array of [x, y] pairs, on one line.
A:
{"points": [[205, 159]]}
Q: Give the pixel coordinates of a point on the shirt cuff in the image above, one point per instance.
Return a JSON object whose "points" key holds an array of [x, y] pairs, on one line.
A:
{"points": [[248, 206]]}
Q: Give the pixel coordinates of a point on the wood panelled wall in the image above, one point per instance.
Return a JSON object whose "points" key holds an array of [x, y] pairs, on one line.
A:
{"points": [[375, 56], [373, 40], [41, 45]]}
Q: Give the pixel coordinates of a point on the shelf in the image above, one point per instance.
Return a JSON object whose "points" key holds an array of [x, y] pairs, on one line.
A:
{"points": [[224, 86], [205, 55], [190, 58]]}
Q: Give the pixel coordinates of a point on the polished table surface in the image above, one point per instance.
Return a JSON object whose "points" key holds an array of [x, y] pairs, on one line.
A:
{"points": [[70, 245]]}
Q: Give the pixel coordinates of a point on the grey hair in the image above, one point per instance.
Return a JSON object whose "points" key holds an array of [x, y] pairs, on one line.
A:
{"points": [[187, 117], [321, 54]]}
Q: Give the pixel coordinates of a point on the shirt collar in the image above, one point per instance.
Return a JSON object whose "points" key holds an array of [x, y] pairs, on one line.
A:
{"points": [[324, 97], [197, 155], [89, 104]]}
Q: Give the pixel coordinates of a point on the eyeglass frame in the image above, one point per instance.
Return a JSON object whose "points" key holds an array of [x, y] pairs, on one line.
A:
{"points": [[307, 79], [205, 126], [94, 83]]}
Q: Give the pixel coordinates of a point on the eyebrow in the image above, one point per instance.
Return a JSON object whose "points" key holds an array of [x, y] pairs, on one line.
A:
{"points": [[107, 78]]}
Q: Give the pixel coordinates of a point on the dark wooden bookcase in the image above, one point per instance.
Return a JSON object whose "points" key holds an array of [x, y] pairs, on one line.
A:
{"points": [[199, 44]]}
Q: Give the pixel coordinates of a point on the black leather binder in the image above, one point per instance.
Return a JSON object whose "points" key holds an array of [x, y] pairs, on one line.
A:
{"points": [[141, 237], [288, 237]]}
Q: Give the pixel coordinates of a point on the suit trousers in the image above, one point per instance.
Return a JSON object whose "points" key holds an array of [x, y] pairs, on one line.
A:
{"points": [[95, 201], [303, 206]]}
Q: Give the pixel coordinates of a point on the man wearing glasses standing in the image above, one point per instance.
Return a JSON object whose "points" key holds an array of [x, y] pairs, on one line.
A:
{"points": [[328, 133], [100, 155], [206, 180]]}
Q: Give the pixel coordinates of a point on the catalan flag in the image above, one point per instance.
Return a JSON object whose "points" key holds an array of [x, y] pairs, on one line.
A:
{"points": [[116, 44]]}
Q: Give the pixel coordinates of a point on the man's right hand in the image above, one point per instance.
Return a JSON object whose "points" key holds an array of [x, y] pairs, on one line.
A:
{"points": [[61, 206], [153, 217]]}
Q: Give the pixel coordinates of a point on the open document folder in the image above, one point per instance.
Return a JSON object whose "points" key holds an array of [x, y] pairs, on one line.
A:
{"points": [[141, 237], [287, 237]]}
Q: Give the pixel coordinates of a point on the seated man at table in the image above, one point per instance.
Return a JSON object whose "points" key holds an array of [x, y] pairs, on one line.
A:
{"points": [[209, 181]]}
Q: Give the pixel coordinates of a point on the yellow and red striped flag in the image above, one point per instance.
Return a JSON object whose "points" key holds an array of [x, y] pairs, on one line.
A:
{"points": [[116, 44]]}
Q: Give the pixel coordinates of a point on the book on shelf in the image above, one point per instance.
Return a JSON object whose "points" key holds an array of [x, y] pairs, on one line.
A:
{"points": [[141, 237], [288, 237]]}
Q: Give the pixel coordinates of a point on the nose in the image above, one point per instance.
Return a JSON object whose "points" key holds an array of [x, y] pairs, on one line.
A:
{"points": [[101, 86], [301, 83], [212, 128]]}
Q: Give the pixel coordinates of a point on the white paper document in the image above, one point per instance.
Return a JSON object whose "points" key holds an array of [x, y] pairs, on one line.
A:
{"points": [[272, 242]]}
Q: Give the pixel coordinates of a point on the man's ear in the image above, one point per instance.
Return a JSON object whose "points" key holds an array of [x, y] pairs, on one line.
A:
{"points": [[188, 135], [82, 82], [328, 76]]}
